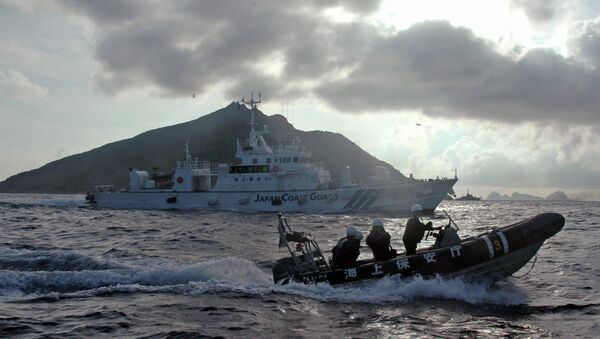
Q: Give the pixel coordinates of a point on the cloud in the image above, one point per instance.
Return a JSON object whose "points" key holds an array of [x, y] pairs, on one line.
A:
{"points": [[449, 72], [183, 47], [107, 12], [14, 84], [585, 41], [25, 6], [14, 53], [528, 155], [191, 46], [539, 11]]}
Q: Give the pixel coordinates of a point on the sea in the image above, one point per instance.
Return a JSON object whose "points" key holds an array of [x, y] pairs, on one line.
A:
{"points": [[72, 270]]}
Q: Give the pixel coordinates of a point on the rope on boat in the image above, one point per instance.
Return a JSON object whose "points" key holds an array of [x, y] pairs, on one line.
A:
{"points": [[521, 276], [532, 265]]}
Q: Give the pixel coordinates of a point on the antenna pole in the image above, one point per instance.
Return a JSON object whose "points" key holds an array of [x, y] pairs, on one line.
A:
{"points": [[188, 157]]}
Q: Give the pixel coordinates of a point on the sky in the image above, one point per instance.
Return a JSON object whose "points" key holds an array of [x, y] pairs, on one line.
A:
{"points": [[505, 92]]}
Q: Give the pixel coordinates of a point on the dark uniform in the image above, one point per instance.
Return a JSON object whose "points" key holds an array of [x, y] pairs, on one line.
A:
{"points": [[413, 234], [379, 242], [346, 252]]}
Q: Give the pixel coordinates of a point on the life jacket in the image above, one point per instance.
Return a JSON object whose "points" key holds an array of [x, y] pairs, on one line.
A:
{"points": [[415, 230], [379, 242], [346, 252]]}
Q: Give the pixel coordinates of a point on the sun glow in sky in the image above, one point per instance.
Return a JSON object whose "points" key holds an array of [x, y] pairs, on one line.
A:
{"points": [[505, 91]]}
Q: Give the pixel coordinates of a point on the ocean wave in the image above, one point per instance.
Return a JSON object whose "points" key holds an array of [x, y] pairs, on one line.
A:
{"points": [[74, 202], [49, 260], [235, 271], [239, 275]]}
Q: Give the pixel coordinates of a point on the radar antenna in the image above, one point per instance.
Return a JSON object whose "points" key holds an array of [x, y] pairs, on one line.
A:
{"points": [[252, 102], [188, 157]]}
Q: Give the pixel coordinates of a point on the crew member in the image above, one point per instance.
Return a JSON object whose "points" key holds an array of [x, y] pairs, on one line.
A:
{"points": [[415, 230], [379, 241], [347, 250]]}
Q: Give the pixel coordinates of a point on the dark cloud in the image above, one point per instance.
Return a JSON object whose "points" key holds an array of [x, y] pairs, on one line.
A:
{"points": [[110, 11], [192, 46], [586, 41], [539, 11], [449, 72], [188, 46]]}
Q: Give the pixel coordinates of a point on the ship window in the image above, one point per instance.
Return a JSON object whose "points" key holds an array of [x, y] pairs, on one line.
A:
{"points": [[268, 160], [258, 179], [236, 179], [251, 178], [254, 161], [286, 159], [295, 159]]}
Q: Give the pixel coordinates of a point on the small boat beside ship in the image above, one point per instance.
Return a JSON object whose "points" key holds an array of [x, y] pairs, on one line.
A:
{"points": [[493, 255], [270, 179], [468, 197]]}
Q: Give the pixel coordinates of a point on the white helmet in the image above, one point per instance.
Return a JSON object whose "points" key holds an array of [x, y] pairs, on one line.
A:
{"points": [[351, 231], [377, 222], [416, 208]]}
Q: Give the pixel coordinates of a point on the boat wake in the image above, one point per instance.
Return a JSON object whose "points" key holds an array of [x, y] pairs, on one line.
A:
{"points": [[396, 290], [19, 259], [24, 201], [33, 275]]}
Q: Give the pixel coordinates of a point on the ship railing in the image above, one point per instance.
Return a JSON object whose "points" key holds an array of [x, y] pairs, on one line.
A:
{"points": [[433, 179], [432, 176], [105, 188], [315, 164], [196, 164], [214, 168]]}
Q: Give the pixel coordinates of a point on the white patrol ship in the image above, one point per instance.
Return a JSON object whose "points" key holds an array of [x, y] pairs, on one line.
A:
{"points": [[281, 179]]}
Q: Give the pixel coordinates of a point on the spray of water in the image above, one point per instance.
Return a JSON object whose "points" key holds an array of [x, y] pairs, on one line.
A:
{"points": [[76, 275]]}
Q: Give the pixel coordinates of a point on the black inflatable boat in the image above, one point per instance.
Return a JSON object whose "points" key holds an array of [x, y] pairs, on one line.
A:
{"points": [[492, 255]]}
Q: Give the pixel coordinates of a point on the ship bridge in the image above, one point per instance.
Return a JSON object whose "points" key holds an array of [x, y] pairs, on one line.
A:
{"points": [[262, 168]]}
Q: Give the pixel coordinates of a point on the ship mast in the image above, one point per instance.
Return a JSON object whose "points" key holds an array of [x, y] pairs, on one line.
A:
{"points": [[252, 139], [188, 156]]}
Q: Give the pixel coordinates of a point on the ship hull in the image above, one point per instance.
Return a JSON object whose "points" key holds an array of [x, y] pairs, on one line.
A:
{"points": [[391, 198]]}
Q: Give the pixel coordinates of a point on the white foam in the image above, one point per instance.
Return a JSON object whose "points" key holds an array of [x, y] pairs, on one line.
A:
{"points": [[394, 289], [49, 260], [242, 276], [234, 271]]}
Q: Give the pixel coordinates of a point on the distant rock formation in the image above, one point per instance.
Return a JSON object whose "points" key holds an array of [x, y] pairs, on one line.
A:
{"points": [[211, 137], [558, 196], [497, 196]]}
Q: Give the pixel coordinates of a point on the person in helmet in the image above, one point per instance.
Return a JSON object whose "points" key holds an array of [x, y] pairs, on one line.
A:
{"points": [[379, 241], [347, 250], [415, 230]]}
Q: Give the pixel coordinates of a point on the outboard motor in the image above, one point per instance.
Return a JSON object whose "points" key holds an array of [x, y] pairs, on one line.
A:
{"points": [[448, 236], [283, 270]]}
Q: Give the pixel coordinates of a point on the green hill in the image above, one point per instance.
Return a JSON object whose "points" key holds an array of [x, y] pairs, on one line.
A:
{"points": [[211, 137]]}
